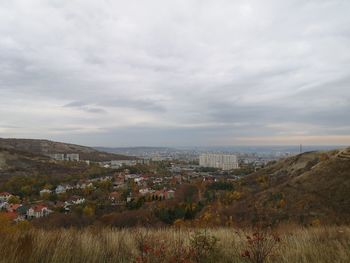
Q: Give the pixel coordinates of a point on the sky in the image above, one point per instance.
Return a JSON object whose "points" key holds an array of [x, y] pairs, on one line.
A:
{"points": [[176, 73]]}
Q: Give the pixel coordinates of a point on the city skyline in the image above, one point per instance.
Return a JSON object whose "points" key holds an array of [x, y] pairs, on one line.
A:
{"points": [[183, 73]]}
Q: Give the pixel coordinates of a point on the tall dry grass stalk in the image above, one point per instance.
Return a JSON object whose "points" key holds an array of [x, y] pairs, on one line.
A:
{"points": [[316, 244]]}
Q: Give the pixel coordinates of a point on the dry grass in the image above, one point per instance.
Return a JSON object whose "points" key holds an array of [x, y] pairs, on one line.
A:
{"points": [[316, 244]]}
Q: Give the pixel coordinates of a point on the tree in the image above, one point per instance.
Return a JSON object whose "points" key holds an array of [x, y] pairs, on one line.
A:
{"points": [[48, 186], [89, 211], [45, 196], [26, 190], [14, 200]]}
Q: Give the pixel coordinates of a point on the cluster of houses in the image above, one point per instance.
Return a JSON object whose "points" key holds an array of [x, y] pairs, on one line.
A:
{"points": [[115, 164], [158, 194], [84, 184], [19, 212], [153, 188], [63, 188], [149, 186], [123, 187]]}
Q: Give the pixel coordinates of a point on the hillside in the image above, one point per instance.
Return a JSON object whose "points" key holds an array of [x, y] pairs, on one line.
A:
{"points": [[11, 159], [309, 187], [45, 147], [24, 165]]}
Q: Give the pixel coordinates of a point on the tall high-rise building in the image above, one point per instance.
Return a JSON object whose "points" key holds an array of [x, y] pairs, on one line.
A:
{"points": [[221, 161]]}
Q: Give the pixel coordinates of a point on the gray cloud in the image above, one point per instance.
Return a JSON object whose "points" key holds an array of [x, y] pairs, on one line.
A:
{"points": [[175, 72], [84, 107]]}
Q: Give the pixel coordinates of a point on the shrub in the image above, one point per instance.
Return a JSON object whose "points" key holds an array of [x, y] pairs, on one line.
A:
{"points": [[151, 249], [260, 245], [203, 247]]}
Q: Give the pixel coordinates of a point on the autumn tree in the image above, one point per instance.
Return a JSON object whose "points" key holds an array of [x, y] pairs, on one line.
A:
{"points": [[89, 210], [14, 200]]}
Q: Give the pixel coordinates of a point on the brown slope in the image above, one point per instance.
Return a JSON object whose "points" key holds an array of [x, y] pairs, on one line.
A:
{"points": [[304, 188], [45, 147], [25, 164]]}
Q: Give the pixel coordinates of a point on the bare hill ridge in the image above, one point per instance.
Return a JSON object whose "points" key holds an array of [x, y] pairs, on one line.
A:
{"points": [[303, 188], [14, 159], [45, 147], [22, 164]]}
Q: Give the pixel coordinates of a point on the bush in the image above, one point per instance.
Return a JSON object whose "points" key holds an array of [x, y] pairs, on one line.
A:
{"points": [[204, 247], [150, 249], [260, 245]]}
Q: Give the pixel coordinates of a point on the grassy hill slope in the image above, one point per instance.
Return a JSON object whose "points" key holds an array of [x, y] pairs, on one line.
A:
{"points": [[310, 187], [14, 163], [45, 147]]}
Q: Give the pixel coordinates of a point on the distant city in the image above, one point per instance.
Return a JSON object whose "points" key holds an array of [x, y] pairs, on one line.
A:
{"points": [[246, 154]]}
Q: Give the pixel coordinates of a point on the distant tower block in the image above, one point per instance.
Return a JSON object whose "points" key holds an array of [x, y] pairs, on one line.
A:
{"points": [[301, 148], [221, 161]]}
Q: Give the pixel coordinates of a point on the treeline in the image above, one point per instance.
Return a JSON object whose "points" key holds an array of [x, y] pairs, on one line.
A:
{"points": [[30, 184]]}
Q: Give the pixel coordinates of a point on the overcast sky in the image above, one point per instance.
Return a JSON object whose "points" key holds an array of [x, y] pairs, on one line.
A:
{"points": [[176, 73]]}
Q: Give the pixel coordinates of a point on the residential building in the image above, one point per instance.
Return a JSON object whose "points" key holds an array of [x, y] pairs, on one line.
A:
{"points": [[84, 185], [163, 194], [45, 192], [5, 196], [170, 194], [13, 207], [63, 188], [3, 205], [38, 211], [115, 164], [65, 156], [221, 161], [72, 157], [158, 180], [57, 156], [144, 191], [74, 200]]}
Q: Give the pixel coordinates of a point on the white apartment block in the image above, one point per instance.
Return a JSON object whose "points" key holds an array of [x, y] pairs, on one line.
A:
{"points": [[72, 157], [65, 156], [221, 161], [57, 156]]}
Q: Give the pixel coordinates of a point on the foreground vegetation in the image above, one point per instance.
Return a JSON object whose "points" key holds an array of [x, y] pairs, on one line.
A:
{"points": [[206, 220], [284, 244]]}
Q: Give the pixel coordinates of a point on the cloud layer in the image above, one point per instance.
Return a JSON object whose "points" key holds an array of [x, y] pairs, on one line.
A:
{"points": [[184, 72]]}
